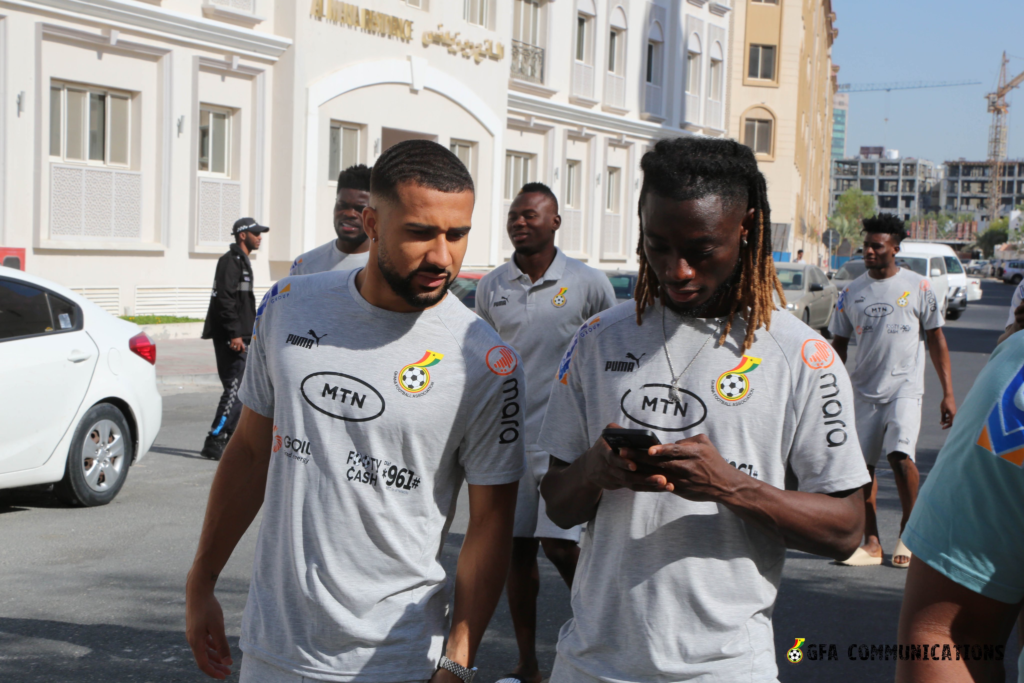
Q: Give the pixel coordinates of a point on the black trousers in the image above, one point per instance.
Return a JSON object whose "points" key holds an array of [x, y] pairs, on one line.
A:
{"points": [[230, 368]]}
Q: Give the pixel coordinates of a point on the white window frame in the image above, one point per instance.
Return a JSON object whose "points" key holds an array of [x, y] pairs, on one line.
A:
{"points": [[613, 192], [470, 160], [616, 51], [529, 12], [654, 62], [573, 184], [228, 132], [342, 126], [583, 51], [481, 8], [518, 172], [108, 95]]}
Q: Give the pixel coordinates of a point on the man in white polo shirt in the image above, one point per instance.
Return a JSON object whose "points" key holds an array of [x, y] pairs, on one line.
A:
{"points": [[355, 439], [536, 302], [350, 250]]}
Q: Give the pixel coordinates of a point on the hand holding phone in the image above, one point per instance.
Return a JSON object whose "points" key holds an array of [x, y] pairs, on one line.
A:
{"points": [[638, 440]]}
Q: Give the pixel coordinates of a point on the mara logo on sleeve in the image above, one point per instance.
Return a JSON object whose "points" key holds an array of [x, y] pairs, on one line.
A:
{"points": [[732, 386], [414, 379], [1003, 432], [501, 360], [560, 299]]}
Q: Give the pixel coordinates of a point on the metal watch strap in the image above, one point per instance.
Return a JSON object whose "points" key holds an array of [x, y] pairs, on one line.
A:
{"points": [[462, 672]]}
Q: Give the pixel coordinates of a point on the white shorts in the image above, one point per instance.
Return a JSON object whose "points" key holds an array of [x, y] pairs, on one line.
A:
{"points": [[885, 428], [258, 671], [532, 519]]}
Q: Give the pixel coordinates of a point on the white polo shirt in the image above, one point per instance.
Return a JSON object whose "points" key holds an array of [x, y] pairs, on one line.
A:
{"points": [[540, 318], [327, 257]]}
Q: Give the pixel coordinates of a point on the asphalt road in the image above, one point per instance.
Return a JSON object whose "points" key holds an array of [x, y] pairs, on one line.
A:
{"points": [[98, 594]]}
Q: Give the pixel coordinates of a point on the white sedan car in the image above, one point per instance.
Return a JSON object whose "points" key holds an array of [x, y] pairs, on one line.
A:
{"points": [[79, 402]]}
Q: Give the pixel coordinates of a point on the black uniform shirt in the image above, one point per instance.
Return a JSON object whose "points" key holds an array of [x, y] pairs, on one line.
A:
{"points": [[232, 303]]}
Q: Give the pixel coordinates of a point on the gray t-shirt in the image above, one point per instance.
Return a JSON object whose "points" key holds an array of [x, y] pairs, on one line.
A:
{"points": [[378, 417], [889, 318], [1015, 300], [669, 589], [327, 257], [539, 318]]}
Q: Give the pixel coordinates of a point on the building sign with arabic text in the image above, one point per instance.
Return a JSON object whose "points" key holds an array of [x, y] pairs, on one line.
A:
{"points": [[487, 49]]}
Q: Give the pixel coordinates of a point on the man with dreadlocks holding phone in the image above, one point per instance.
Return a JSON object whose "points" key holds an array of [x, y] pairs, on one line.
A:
{"points": [[681, 564]]}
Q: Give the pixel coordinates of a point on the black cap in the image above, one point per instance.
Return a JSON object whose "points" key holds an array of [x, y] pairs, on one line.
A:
{"points": [[248, 225]]}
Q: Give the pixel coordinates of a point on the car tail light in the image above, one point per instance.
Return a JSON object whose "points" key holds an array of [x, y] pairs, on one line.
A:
{"points": [[144, 347]]}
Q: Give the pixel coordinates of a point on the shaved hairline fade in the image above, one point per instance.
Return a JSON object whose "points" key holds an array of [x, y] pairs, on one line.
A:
{"points": [[421, 162]]}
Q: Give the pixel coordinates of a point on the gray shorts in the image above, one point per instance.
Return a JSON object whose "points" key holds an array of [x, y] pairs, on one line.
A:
{"points": [[532, 519], [885, 428]]}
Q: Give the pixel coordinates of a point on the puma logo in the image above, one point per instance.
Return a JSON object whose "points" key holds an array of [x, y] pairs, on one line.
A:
{"points": [[503, 301], [314, 336], [634, 358]]}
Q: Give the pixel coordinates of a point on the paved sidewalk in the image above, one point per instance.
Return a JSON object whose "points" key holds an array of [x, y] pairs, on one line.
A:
{"points": [[186, 362]]}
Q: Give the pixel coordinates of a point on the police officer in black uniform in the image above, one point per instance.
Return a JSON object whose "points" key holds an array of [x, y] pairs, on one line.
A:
{"points": [[229, 322]]}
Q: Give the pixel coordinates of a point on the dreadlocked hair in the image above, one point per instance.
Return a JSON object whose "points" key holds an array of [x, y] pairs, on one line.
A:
{"points": [[683, 169]]}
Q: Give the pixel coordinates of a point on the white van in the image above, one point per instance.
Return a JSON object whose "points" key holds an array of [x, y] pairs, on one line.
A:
{"points": [[938, 263]]}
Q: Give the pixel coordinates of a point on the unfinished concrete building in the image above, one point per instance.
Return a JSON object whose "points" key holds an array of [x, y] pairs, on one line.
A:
{"points": [[968, 185]]}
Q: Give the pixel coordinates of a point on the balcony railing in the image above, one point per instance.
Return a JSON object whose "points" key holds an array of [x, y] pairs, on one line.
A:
{"points": [[614, 90], [527, 62], [583, 80]]}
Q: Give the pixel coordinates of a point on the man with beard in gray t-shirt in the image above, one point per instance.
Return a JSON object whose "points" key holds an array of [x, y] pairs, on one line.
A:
{"points": [[369, 397], [682, 559], [891, 310]]}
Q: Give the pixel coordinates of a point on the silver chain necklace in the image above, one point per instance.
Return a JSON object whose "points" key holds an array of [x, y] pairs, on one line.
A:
{"points": [[673, 391]]}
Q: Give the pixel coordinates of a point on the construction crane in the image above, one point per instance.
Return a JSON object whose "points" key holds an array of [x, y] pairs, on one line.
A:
{"points": [[904, 85], [997, 133]]}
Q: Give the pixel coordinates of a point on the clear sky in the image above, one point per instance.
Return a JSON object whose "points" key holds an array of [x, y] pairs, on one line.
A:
{"points": [[937, 40]]}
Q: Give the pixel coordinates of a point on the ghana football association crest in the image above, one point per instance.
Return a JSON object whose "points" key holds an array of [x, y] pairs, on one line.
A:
{"points": [[733, 386], [560, 299], [414, 378]]}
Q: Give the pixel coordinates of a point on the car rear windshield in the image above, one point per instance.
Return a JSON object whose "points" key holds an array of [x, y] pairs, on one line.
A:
{"points": [[851, 271], [465, 289], [623, 286], [791, 278], [953, 265], [918, 265]]}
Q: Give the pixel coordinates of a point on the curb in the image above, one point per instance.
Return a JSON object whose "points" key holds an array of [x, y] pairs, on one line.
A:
{"points": [[204, 379], [170, 331]]}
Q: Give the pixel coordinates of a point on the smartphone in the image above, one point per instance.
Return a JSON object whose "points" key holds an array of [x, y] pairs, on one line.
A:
{"points": [[636, 439]]}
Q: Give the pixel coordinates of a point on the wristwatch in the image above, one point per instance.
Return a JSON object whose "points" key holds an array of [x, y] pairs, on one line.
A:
{"points": [[462, 672]]}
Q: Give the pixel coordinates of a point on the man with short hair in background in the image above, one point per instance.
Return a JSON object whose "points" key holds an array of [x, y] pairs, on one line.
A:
{"points": [[350, 250], [536, 302], [892, 311], [229, 321]]}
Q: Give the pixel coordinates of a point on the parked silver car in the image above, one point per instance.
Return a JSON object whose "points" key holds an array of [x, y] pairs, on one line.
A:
{"points": [[1013, 272], [809, 294]]}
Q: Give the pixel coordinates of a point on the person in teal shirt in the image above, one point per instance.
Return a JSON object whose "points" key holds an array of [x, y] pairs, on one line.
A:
{"points": [[966, 586]]}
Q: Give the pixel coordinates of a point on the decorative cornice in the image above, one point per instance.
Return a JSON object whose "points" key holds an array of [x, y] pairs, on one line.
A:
{"points": [[572, 115], [531, 88], [698, 3], [227, 14], [719, 8], [157, 22], [109, 40]]}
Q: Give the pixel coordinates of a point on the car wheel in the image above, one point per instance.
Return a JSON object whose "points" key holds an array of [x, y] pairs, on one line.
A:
{"points": [[953, 313], [1016, 279], [98, 460]]}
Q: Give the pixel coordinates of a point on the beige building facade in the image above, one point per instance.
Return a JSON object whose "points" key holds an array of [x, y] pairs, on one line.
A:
{"points": [[144, 129], [780, 96]]}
